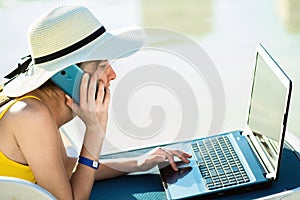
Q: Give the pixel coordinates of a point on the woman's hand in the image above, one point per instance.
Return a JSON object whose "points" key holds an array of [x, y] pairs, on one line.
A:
{"points": [[93, 109], [160, 155]]}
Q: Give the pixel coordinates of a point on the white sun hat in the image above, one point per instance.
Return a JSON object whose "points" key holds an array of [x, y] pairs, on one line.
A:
{"points": [[67, 35]]}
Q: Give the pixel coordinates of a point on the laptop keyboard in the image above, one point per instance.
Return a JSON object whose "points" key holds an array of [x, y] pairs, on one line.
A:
{"points": [[219, 163]]}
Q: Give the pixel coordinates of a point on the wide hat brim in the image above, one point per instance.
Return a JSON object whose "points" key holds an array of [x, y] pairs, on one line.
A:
{"points": [[110, 45]]}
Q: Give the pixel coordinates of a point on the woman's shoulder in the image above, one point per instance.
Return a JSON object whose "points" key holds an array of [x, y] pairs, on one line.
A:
{"points": [[22, 112]]}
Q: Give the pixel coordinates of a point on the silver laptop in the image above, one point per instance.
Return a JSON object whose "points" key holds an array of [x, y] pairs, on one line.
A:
{"points": [[243, 159]]}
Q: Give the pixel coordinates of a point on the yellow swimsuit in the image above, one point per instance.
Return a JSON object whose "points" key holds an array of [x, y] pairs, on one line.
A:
{"points": [[12, 168]]}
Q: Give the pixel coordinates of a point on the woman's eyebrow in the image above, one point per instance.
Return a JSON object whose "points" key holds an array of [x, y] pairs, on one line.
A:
{"points": [[102, 64]]}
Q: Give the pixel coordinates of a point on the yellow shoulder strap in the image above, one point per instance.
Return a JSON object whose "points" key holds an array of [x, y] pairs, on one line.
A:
{"points": [[15, 101], [28, 97]]}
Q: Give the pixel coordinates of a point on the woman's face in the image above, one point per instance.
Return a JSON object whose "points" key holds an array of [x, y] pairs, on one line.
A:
{"points": [[103, 70]]}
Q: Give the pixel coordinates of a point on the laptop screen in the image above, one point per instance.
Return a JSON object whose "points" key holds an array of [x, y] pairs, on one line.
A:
{"points": [[269, 104]]}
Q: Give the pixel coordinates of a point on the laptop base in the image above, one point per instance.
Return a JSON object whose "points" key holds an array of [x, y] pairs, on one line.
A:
{"points": [[189, 182]]}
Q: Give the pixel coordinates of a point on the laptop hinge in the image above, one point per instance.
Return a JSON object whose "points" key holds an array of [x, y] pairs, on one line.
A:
{"points": [[260, 152]]}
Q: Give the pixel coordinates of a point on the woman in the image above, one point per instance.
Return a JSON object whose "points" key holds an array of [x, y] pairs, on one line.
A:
{"points": [[31, 146]]}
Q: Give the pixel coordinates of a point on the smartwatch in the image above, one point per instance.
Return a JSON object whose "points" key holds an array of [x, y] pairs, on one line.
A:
{"points": [[90, 163]]}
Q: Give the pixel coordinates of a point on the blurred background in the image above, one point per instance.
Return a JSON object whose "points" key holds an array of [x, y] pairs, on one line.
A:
{"points": [[228, 30]]}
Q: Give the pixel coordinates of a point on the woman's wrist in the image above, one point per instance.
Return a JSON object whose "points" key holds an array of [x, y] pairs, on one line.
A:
{"points": [[94, 164], [92, 143], [94, 127], [90, 152]]}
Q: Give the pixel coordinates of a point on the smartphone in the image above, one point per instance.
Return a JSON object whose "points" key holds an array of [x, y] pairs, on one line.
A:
{"points": [[69, 80]]}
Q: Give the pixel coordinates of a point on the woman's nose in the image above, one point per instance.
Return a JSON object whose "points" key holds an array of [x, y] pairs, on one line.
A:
{"points": [[108, 75], [112, 74]]}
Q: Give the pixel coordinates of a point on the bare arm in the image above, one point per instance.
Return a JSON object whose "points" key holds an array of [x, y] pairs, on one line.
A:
{"points": [[94, 114], [111, 168], [41, 149], [117, 167], [40, 143]]}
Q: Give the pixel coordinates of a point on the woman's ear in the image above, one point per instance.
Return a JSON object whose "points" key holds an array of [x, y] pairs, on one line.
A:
{"points": [[71, 104], [69, 101]]}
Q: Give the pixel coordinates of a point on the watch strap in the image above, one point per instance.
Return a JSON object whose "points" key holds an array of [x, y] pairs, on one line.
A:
{"points": [[90, 163]]}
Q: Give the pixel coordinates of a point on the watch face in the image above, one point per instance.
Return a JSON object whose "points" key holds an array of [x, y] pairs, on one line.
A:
{"points": [[95, 164]]}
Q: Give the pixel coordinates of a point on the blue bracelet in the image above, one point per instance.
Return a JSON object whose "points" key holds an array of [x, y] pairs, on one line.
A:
{"points": [[90, 163]]}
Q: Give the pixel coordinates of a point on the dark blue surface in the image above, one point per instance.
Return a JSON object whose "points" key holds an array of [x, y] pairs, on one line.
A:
{"points": [[149, 186], [129, 187]]}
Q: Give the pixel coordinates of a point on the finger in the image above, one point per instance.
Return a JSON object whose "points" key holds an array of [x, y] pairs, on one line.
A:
{"points": [[83, 88], [92, 88], [100, 92], [182, 155], [170, 158], [106, 97], [187, 155]]}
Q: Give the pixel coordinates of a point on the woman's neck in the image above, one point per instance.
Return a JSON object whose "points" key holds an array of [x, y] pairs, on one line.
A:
{"points": [[55, 101]]}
